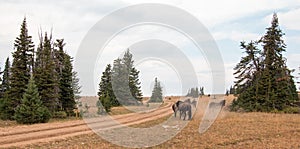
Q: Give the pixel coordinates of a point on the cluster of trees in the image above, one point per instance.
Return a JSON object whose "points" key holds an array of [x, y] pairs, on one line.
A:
{"points": [[264, 82], [39, 82], [120, 84], [195, 92], [157, 94], [231, 90]]}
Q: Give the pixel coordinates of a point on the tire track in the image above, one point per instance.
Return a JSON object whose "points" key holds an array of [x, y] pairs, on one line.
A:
{"points": [[24, 137]]}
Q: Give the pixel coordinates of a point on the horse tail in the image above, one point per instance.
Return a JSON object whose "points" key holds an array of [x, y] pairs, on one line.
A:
{"points": [[174, 109]]}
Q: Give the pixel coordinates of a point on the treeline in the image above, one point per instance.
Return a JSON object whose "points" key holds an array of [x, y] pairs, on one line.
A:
{"points": [[264, 82], [195, 92], [231, 90], [120, 84], [40, 82]]}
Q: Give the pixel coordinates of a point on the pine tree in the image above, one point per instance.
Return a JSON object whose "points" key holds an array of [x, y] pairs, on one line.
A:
{"points": [[45, 74], [280, 85], [156, 92], [21, 68], [193, 92], [125, 86], [6, 77], [6, 106], [196, 93], [135, 84], [64, 69], [132, 75], [298, 77], [201, 91], [120, 83], [1, 88], [75, 85], [264, 81], [31, 110], [105, 93], [227, 92]]}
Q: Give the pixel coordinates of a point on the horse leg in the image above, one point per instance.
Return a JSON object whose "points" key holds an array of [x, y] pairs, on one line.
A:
{"points": [[190, 114], [180, 113]]}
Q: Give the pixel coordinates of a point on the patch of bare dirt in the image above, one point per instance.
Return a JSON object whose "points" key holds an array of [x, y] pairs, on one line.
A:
{"points": [[20, 135], [230, 130]]}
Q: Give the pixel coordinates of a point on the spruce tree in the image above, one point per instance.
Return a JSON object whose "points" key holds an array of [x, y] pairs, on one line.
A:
{"points": [[31, 110], [281, 90], [76, 86], [125, 84], [6, 77], [194, 92], [201, 91], [120, 83], [197, 93], [1, 88], [156, 92], [264, 81], [65, 68], [45, 74], [132, 75], [135, 84], [6, 107], [20, 69], [106, 95], [105, 92], [298, 77]]}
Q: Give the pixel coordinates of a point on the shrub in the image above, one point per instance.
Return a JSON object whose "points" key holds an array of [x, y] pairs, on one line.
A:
{"points": [[59, 114], [292, 110]]}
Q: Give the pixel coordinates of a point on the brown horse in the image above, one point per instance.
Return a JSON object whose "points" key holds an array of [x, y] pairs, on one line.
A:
{"points": [[175, 106]]}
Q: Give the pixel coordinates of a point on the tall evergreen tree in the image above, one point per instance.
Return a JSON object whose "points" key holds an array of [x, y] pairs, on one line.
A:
{"points": [[281, 90], [133, 76], [105, 93], [76, 86], [1, 88], [6, 77], [298, 77], [45, 74], [31, 110], [21, 67], [120, 83], [201, 91], [64, 69], [135, 84], [264, 81], [156, 92]]}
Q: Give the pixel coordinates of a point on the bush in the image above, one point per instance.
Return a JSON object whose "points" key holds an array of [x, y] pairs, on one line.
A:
{"points": [[59, 114], [292, 110]]}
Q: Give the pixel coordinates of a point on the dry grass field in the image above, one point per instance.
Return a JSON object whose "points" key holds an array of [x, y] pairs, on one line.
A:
{"points": [[230, 130]]}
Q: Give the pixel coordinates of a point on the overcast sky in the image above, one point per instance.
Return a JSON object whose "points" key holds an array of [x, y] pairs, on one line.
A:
{"points": [[229, 22]]}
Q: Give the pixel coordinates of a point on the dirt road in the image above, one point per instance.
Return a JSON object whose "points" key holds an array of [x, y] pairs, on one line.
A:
{"points": [[30, 134]]}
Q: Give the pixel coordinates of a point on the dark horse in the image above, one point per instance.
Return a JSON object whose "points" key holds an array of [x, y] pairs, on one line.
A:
{"points": [[183, 107], [175, 106]]}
